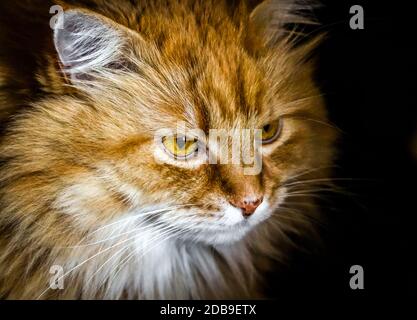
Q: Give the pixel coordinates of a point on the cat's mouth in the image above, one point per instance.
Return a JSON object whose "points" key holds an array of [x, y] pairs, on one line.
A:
{"points": [[231, 226], [225, 225]]}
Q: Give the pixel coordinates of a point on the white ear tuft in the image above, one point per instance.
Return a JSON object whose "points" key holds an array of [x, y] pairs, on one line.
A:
{"points": [[270, 17], [86, 44]]}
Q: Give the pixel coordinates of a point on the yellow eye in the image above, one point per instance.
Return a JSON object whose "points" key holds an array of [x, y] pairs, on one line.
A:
{"points": [[271, 132], [180, 146]]}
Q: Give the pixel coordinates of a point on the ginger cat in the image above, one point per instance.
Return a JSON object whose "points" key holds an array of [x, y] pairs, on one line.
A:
{"points": [[89, 186]]}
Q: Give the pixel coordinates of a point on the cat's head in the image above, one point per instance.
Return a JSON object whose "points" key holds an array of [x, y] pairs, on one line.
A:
{"points": [[117, 146]]}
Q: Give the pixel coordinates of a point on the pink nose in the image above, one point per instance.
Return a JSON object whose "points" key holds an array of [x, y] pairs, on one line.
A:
{"points": [[248, 205]]}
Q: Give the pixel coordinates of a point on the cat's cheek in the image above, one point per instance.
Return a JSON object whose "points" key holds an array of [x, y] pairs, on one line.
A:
{"points": [[89, 202]]}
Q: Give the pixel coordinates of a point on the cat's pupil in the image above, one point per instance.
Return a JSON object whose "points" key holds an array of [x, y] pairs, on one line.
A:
{"points": [[266, 128], [181, 142]]}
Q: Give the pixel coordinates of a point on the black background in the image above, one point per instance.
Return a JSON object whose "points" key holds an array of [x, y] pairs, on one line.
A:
{"points": [[369, 78]]}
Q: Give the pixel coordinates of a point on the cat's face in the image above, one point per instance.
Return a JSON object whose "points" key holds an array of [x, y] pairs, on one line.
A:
{"points": [[121, 164]]}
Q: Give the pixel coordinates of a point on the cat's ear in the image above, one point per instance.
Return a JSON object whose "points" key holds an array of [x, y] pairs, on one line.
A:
{"points": [[269, 19], [88, 44]]}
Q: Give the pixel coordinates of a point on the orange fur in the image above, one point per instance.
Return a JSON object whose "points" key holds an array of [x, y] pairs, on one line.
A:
{"points": [[73, 152]]}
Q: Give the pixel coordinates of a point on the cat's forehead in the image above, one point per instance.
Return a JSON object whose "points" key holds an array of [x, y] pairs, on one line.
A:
{"points": [[223, 90]]}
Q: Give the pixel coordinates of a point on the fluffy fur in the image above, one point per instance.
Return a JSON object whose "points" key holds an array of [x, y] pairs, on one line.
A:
{"points": [[80, 186]]}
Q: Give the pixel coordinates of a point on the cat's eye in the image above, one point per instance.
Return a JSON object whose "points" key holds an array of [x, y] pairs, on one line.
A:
{"points": [[180, 147], [271, 131]]}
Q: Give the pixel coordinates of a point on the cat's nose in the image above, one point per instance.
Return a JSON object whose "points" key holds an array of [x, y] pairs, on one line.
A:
{"points": [[248, 205]]}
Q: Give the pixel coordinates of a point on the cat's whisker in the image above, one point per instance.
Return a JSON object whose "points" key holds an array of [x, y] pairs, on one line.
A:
{"points": [[301, 203], [299, 181], [166, 230], [139, 214], [80, 245], [122, 263], [305, 195], [117, 253], [139, 228], [136, 216], [328, 180], [86, 260], [278, 226], [312, 190], [132, 254], [305, 172], [124, 248], [111, 237], [300, 216]]}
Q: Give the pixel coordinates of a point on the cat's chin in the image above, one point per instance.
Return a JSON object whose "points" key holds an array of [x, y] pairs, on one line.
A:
{"points": [[226, 236]]}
